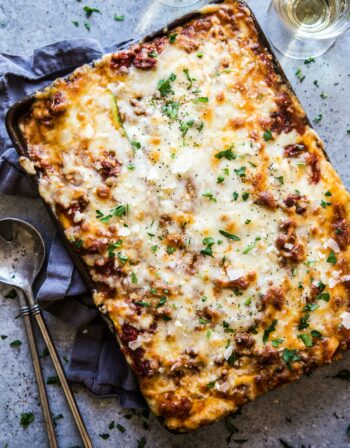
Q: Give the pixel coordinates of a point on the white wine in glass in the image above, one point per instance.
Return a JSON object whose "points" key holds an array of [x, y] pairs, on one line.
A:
{"points": [[303, 28]]}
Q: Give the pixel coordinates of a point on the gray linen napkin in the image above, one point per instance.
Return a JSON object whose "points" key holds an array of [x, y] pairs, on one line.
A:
{"points": [[96, 360]]}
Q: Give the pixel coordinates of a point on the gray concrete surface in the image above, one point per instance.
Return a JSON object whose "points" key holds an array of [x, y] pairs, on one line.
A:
{"points": [[311, 413]]}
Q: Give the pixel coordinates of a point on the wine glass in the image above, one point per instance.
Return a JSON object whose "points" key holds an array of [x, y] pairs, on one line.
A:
{"points": [[306, 28]]}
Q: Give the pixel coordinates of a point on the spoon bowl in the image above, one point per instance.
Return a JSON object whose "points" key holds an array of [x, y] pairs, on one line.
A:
{"points": [[22, 253]]}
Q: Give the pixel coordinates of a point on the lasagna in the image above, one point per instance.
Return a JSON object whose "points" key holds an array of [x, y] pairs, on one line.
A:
{"points": [[215, 231]]}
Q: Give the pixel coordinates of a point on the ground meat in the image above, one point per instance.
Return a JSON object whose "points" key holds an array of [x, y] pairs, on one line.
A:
{"points": [[275, 297], [239, 283], [244, 340], [129, 333], [143, 60], [286, 118], [172, 406], [165, 219], [57, 104], [209, 314], [187, 43], [122, 59], [298, 201], [294, 150], [266, 199], [287, 244], [313, 162], [341, 226], [109, 168]]}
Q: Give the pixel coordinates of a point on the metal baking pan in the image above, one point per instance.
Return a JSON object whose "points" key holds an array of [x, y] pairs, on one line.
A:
{"points": [[22, 107]]}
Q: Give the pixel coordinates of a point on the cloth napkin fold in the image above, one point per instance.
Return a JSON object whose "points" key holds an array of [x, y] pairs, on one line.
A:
{"points": [[96, 360]]}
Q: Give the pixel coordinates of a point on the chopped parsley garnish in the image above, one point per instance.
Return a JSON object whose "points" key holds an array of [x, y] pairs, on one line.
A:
{"points": [[170, 250], [142, 303], [318, 118], [271, 328], [154, 248], [133, 278], [189, 78], [88, 10], [211, 384], [325, 204], [164, 85], [309, 60], [290, 356], [141, 443], [112, 247], [131, 167], [203, 321], [11, 294], [248, 301], [201, 99], [267, 135], [104, 436], [120, 427], [87, 26], [247, 221], [119, 211], [171, 109], [303, 322], [232, 359], [245, 196], [310, 307], [332, 259], [56, 418], [172, 38], [75, 23], [200, 55], [280, 180], [235, 195], [16, 343], [249, 248], [328, 193], [230, 236], [276, 342], [220, 179], [162, 301], [208, 334], [240, 171], [185, 126], [26, 419], [316, 83], [118, 18], [316, 334], [136, 145], [78, 243], [122, 257], [299, 75], [324, 296], [323, 96], [153, 54], [307, 339], [53, 380], [209, 195], [208, 249], [228, 154]]}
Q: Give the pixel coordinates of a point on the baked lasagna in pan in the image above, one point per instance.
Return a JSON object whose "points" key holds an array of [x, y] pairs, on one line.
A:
{"points": [[215, 231]]}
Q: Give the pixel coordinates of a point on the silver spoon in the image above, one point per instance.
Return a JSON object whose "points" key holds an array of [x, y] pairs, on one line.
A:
{"points": [[22, 253]]}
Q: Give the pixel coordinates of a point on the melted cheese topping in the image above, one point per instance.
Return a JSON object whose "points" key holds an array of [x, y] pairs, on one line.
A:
{"points": [[177, 239]]}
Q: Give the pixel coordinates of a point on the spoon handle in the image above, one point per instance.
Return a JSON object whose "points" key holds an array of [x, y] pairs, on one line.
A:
{"points": [[25, 312], [36, 313]]}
